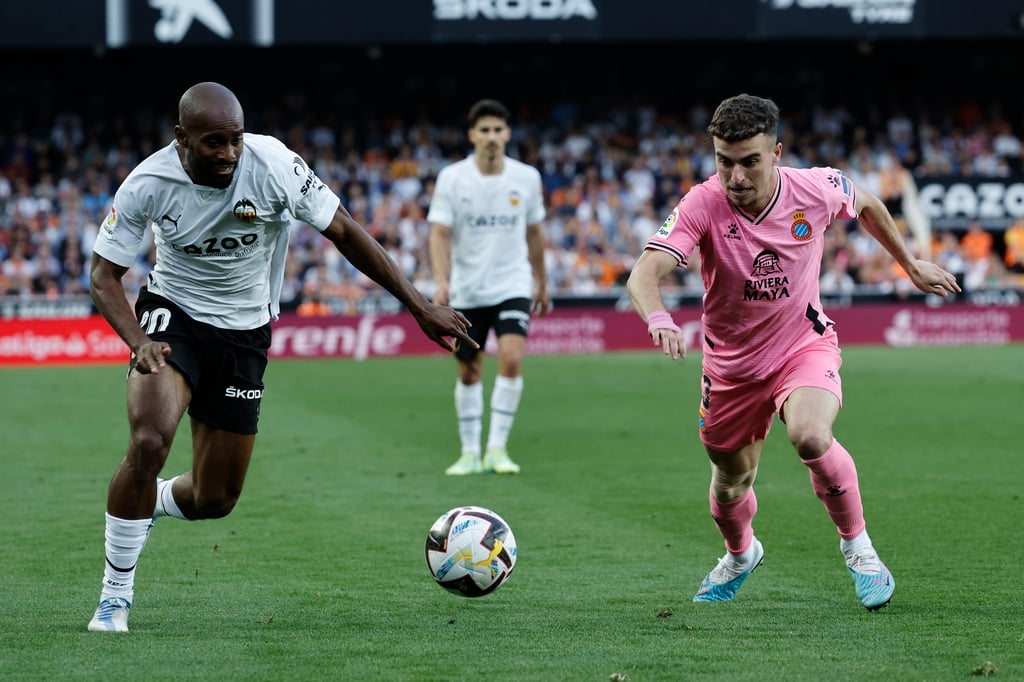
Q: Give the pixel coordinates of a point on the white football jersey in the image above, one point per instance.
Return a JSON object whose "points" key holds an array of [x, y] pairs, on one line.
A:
{"points": [[488, 216], [220, 253]]}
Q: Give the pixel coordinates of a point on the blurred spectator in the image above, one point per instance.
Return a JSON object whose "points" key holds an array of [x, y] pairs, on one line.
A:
{"points": [[835, 279], [312, 305], [948, 254], [19, 270], [1013, 239], [977, 243], [987, 273]]}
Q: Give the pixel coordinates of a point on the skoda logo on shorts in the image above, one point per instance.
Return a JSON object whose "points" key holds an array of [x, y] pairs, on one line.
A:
{"points": [[243, 393]]}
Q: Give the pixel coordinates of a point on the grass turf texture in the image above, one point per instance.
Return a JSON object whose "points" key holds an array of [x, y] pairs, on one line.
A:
{"points": [[319, 572]]}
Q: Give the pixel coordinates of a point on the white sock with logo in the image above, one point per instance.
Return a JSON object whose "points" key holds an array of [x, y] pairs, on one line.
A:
{"points": [[469, 408], [125, 539]]}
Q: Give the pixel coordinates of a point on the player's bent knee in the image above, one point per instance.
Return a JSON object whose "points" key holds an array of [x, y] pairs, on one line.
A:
{"points": [[811, 443], [142, 471], [728, 487], [215, 507], [150, 445]]}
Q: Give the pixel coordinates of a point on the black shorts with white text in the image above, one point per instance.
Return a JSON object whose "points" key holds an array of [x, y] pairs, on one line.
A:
{"points": [[223, 367], [508, 317]]}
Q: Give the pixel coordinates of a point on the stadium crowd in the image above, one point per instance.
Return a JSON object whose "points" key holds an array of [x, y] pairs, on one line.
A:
{"points": [[609, 181]]}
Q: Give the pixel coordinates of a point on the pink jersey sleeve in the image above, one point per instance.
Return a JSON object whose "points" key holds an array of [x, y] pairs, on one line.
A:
{"points": [[686, 225]]}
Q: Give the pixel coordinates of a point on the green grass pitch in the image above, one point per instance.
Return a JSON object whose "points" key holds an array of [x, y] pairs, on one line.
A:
{"points": [[319, 572]]}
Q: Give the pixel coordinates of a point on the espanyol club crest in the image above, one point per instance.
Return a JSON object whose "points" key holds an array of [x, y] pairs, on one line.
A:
{"points": [[801, 229]]}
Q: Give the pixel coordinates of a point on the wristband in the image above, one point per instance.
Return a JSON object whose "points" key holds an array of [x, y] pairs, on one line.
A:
{"points": [[660, 319]]}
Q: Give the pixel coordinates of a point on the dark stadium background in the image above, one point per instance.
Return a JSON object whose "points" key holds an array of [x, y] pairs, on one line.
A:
{"points": [[437, 81], [382, 59]]}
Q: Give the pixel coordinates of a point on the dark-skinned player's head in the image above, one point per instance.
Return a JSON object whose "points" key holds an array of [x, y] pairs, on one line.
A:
{"points": [[210, 133]]}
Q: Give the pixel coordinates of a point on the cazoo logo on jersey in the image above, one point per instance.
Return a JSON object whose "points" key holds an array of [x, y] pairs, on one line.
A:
{"points": [[514, 10]]}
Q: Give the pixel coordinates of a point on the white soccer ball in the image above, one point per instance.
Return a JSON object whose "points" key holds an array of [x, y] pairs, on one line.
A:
{"points": [[470, 551]]}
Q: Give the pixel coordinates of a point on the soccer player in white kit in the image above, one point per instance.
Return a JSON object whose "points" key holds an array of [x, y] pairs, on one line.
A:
{"points": [[768, 345], [218, 200], [487, 257]]}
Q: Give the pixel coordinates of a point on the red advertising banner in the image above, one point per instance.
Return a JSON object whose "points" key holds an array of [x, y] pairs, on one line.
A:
{"points": [[564, 331], [80, 340]]}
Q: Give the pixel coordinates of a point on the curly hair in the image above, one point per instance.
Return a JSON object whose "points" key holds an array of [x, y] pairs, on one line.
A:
{"points": [[744, 116]]}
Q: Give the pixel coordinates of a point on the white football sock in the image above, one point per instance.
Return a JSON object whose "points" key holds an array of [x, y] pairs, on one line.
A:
{"points": [[860, 555], [857, 544], [504, 403], [469, 408], [125, 539], [165, 503], [745, 557]]}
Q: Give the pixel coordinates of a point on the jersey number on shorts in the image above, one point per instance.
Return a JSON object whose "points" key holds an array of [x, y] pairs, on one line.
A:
{"points": [[155, 320]]}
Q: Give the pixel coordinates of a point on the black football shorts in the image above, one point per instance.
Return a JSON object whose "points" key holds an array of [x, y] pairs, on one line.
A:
{"points": [[508, 317], [224, 367]]}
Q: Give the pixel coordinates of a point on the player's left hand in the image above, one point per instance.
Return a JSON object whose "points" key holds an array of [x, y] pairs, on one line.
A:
{"points": [[445, 326], [931, 279], [541, 302]]}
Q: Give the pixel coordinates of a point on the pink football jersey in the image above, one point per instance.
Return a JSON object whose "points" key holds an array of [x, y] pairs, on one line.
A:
{"points": [[761, 300]]}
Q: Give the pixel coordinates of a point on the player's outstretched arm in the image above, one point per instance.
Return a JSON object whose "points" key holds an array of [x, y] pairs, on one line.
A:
{"points": [[876, 219], [440, 323], [645, 293]]}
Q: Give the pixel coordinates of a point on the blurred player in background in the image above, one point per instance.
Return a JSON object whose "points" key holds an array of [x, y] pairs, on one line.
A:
{"points": [[768, 345], [487, 257], [218, 200]]}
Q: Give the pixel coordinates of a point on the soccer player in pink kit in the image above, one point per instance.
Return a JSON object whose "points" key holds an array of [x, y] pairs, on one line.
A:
{"points": [[768, 345]]}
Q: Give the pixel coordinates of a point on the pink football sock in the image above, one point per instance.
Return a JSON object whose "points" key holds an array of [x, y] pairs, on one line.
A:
{"points": [[734, 520], [834, 478]]}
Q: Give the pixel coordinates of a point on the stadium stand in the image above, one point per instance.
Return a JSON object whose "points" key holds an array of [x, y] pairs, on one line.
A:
{"points": [[618, 144]]}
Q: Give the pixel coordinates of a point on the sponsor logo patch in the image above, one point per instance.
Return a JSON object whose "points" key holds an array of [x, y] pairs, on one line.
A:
{"points": [[670, 222]]}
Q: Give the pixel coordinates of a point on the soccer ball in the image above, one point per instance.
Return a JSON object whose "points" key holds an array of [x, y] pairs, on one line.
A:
{"points": [[470, 551]]}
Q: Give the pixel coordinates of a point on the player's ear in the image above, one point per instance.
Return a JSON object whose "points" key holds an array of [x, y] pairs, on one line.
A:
{"points": [[181, 136]]}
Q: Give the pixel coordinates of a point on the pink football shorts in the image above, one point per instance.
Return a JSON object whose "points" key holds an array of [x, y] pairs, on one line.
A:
{"points": [[733, 415]]}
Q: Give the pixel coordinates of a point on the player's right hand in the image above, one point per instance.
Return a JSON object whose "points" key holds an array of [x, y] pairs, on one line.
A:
{"points": [[446, 327], [149, 357], [666, 333]]}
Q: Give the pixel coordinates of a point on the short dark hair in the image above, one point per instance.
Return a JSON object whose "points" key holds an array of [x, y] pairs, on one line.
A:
{"points": [[743, 117], [487, 107]]}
